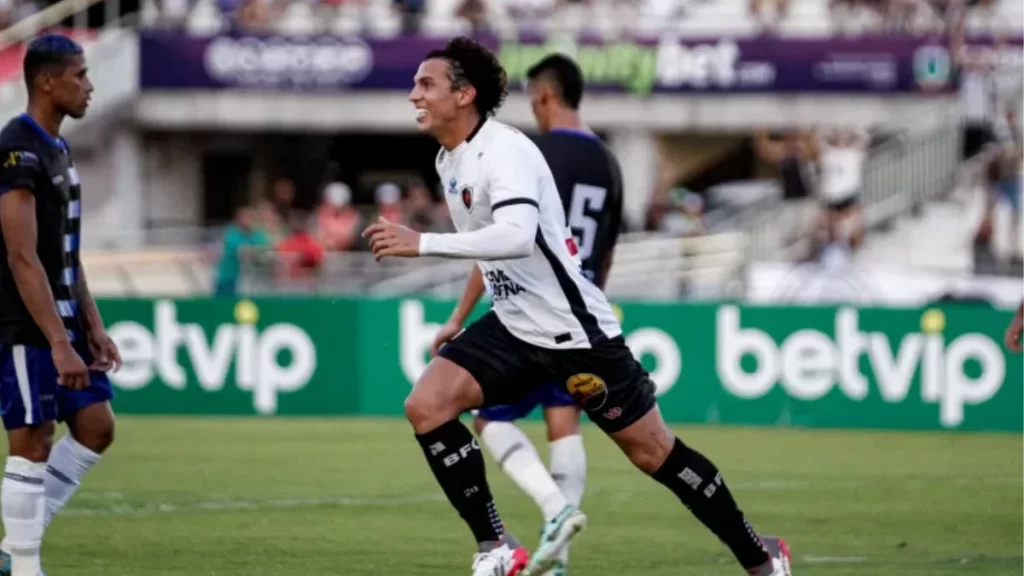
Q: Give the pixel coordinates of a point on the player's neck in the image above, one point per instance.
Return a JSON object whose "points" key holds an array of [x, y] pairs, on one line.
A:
{"points": [[461, 130], [47, 118], [567, 120]]}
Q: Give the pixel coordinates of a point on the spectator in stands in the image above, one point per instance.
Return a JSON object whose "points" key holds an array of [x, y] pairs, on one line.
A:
{"points": [[793, 157], [474, 12], [678, 213], [388, 197], [841, 154], [530, 14], [243, 243], [301, 254], [412, 12], [769, 13], [423, 213], [1003, 180], [276, 212], [253, 15], [338, 222]]}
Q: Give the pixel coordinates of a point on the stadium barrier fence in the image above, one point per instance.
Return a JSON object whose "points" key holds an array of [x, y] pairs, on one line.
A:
{"points": [[938, 368]]}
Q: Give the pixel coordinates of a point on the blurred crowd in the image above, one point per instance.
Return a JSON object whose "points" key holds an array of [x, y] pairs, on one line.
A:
{"points": [[274, 240], [12, 11], [609, 17]]}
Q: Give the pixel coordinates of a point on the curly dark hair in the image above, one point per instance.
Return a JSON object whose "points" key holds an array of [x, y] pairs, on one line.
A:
{"points": [[474, 65]]}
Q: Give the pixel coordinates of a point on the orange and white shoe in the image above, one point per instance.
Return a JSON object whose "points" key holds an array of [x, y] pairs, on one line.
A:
{"points": [[779, 552]]}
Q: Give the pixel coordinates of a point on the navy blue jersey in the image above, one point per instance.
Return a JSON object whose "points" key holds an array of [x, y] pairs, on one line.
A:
{"points": [[590, 183], [32, 160]]}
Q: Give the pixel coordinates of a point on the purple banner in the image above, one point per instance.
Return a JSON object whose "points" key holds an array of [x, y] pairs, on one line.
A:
{"points": [[764, 65]]}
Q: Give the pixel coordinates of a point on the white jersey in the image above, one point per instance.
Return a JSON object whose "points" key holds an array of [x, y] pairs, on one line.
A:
{"points": [[506, 208], [842, 172]]}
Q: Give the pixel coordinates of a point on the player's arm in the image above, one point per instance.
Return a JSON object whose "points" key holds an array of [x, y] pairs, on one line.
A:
{"points": [[18, 222], [1015, 330], [470, 296], [768, 150], [514, 183], [90, 313]]}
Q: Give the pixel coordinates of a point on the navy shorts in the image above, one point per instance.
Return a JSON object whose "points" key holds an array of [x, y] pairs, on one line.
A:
{"points": [[29, 393], [549, 395]]}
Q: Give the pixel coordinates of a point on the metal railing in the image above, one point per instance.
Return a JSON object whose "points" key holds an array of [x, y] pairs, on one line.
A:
{"points": [[645, 266], [899, 177]]}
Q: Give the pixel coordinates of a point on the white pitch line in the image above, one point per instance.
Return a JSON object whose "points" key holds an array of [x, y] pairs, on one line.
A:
{"points": [[124, 509], [835, 559]]}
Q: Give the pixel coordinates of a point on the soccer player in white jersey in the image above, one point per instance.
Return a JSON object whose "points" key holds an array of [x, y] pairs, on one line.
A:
{"points": [[548, 322], [589, 183]]}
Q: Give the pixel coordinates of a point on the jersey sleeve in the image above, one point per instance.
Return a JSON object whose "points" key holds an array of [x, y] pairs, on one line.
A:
{"points": [[20, 168], [511, 236]]}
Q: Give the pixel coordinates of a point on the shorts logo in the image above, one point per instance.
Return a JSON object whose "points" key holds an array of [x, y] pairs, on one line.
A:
{"points": [[588, 390], [613, 413], [467, 198]]}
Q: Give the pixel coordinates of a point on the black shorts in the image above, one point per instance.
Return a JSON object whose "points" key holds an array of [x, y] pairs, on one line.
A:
{"points": [[975, 138], [845, 204], [605, 380]]}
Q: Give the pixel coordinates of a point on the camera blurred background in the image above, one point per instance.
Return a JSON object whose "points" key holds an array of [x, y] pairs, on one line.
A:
{"points": [[773, 150]]}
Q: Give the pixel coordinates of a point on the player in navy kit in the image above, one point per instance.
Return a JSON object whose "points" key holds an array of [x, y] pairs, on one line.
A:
{"points": [[54, 351], [589, 182]]}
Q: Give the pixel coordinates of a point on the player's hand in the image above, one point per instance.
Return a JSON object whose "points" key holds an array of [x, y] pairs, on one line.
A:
{"points": [[104, 352], [390, 239], [450, 330], [1014, 331], [71, 371]]}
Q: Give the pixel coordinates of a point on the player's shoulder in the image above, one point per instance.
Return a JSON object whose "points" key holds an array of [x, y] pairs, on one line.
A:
{"points": [[499, 134], [578, 143], [18, 135], [507, 144]]}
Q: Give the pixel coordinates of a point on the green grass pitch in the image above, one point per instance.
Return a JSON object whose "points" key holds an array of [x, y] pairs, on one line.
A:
{"points": [[304, 497]]}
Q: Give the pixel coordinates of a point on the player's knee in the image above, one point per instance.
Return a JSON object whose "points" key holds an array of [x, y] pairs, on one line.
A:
{"points": [[31, 443], [479, 424], [98, 438], [562, 423], [93, 428], [423, 412], [649, 456]]}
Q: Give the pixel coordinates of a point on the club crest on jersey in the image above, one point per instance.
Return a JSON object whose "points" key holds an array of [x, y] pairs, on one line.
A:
{"points": [[467, 198]]}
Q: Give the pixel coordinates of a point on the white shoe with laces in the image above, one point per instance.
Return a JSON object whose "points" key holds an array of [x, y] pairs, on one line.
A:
{"points": [[506, 558]]}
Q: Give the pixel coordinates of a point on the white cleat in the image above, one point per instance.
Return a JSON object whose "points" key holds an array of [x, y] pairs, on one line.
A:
{"points": [[779, 551], [503, 560]]}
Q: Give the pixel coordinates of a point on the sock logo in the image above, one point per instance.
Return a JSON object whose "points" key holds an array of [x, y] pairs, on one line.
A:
{"points": [[436, 448], [690, 478], [454, 458], [713, 486]]}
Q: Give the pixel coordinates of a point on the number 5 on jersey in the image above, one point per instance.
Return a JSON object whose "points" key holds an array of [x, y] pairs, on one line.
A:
{"points": [[584, 211]]}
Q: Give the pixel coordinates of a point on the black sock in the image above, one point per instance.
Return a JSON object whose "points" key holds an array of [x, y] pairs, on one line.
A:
{"points": [[458, 465], [696, 481]]}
